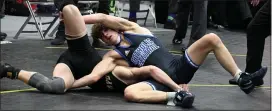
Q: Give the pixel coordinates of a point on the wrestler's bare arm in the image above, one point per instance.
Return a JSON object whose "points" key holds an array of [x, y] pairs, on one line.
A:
{"points": [[110, 60], [112, 22], [102, 68], [132, 75]]}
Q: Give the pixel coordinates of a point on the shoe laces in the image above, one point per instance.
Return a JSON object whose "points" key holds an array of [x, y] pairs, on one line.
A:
{"points": [[181, 94], [245, 79]]}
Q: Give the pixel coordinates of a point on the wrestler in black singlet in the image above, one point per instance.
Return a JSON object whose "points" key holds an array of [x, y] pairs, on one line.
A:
{"points": [[81, 58], [148, 50]]}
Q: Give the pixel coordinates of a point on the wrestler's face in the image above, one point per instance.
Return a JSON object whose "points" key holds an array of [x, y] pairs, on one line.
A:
{"points": [[109, 36]]}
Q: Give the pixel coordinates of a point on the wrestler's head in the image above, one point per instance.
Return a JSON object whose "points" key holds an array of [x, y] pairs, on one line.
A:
{"points": [[107, 35]]}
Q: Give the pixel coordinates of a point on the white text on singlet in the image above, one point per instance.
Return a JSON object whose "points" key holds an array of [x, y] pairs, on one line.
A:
{"points": [[145, 48]]}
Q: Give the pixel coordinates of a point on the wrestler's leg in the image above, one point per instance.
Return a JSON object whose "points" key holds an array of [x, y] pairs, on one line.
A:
{"points": [[132, 74], [153, 92], [61, 81], [74, 23], [212, 43]]}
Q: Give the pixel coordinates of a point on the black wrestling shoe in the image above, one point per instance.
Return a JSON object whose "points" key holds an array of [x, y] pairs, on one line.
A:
{"points": [[170, 24], [60, 35], [184, 99], [233, 81], [59, 39], [257, 83], [7, 70], [176, 41], [245, 83], [257, 77], [3, 68], [3, 36], [2, 15]]}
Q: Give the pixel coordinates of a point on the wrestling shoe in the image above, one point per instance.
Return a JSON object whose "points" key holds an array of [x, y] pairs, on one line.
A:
{"points": [[184, 99], [176, 41], [246, 82], [257, 77], [257, 83], [7, 70], [170, 24], [60, 35], [59, 39], [3, 36]]}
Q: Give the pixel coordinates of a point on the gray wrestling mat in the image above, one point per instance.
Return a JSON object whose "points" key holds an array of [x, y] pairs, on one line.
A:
{"points": [[210, 83]]}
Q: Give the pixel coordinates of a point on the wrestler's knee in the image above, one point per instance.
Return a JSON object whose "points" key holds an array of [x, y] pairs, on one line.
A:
{"points": [[212, 40], [55, 85], [134, 92], [130, 93], [68, 8]]}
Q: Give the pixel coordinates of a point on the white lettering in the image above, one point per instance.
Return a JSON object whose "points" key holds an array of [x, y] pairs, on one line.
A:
{"points": [[143, 51]]}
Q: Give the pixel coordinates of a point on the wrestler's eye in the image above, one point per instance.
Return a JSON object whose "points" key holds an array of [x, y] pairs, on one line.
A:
{"points": [[105, 29]]}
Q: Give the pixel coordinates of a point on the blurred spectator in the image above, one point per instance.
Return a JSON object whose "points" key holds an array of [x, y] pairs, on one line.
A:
{"points": [[238, 14], [234, 14], [2, 14], [216, 14], [257, 31], [245, 12], [199, 20], [171, 22], [134, 6]]}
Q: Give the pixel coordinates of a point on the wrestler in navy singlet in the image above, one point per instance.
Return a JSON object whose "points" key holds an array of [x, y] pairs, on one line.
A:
{"points": [[148, 50]]}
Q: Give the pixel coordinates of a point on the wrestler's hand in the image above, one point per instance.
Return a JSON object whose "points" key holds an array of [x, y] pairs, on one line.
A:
{"points": [[185, 87], [255, 2]]}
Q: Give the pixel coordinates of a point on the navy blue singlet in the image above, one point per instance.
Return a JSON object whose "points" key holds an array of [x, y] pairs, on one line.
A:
{"points": [[147, 50]]}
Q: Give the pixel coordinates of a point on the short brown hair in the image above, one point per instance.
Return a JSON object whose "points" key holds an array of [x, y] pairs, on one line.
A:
{"points": [[97, 30]]}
